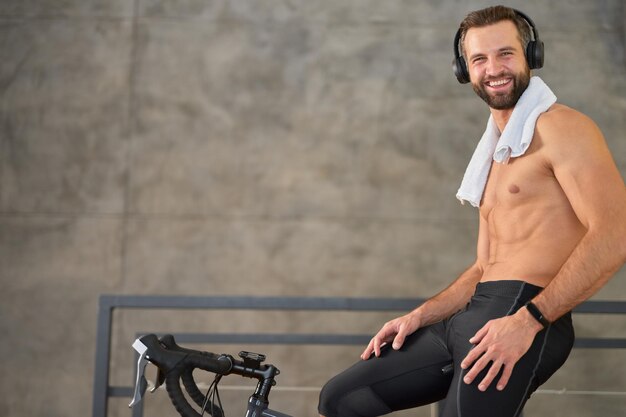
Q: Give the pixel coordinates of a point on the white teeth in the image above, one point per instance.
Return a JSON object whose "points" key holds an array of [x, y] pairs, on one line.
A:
{"points": [[497, 83]]}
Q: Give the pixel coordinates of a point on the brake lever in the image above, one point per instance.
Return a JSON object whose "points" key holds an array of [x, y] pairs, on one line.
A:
{"points": [[141, 384], [160, 379]]}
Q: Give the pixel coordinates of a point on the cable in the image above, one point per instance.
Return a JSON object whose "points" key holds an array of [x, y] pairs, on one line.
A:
{"points": [[210, 398]]}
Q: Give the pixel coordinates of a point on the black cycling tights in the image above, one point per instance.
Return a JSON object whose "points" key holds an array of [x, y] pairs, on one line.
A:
{"points": [[413, 376]]}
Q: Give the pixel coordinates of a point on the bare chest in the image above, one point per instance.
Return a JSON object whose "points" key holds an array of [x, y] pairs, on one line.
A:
{"points": [[522, 181]]}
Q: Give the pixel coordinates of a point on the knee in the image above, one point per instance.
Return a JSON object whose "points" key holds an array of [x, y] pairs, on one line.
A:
{"points": [[329, 399], [336, 401]]}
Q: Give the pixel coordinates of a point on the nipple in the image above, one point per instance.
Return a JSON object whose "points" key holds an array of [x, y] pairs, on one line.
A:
{"points": [[513, 189]]}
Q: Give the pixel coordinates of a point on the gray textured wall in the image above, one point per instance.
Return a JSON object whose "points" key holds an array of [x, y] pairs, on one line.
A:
{"points": [[254, 147]]}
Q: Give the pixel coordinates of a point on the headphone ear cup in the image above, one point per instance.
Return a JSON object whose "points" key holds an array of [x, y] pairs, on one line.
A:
{"points": [[458, 63], [530, 55], [534, 54], [537, 54], [460, 70]]}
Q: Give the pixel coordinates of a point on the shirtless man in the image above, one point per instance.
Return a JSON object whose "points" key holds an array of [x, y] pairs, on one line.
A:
{"points": [[552, 228]]}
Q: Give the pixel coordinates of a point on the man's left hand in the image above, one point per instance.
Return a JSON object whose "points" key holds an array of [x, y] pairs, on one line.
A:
{"points": [[502, 342]]}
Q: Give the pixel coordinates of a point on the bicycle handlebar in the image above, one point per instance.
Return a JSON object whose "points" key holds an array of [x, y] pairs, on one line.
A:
{"points": [[187, 375], [176, 364]]}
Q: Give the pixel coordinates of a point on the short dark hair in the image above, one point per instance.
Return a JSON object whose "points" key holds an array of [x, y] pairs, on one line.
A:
{"points": [[490, 16]]}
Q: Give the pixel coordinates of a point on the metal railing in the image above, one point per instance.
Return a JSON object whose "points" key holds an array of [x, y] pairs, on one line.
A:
{"points": [[102, 390]]}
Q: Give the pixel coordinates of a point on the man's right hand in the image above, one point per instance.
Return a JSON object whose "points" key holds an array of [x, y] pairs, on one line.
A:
{"points": [[394, 331]]}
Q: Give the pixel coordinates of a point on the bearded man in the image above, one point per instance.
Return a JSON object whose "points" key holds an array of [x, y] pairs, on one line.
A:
{"points": [[552, 228]]}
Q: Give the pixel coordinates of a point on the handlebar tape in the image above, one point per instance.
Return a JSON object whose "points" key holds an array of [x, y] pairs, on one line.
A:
{"points": [[179, 363], [176, 396], [168, 360], [197, 396], [184, 371], [187, 376]]}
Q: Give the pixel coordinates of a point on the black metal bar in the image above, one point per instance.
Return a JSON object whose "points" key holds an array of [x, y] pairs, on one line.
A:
{"points": [[599, 343], [103, 355], [107, 303], [263, 303], [273, 338], [340, 339], [601, 307], [116, 391], [137, 410], [307, 303]]}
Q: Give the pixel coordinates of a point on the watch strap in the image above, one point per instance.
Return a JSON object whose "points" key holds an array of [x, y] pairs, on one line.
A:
{"points": [[537, 314]]}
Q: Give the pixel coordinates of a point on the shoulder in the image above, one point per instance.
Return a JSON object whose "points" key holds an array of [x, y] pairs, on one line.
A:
{"points": [[564, 131], [561, 121]]}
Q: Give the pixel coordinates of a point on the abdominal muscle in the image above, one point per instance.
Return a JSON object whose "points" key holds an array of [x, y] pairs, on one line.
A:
{"points": [[530, 242], [530, 224]]}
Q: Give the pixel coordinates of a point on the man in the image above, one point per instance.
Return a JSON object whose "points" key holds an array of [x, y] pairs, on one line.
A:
{"points": [[552, 227]]}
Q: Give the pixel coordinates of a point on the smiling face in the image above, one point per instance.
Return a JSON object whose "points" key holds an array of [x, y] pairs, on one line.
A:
{"points": [[497, 64]]}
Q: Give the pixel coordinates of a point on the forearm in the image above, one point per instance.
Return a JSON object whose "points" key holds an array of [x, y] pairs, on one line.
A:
{"points": [[433, 310], [451, 299], [590, 266]]}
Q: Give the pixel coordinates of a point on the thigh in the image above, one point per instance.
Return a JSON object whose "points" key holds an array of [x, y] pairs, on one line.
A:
{"points": [[409, 377], [548, 352]]}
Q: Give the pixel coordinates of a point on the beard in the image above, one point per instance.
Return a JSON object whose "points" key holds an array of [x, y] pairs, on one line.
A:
{"points": [[504, 101]]}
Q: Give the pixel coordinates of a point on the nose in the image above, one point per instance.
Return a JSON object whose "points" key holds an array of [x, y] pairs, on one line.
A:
{"points": [[493, 66]]}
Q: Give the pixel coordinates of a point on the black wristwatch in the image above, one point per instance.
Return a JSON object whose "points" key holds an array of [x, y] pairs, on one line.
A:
{"points": [[538, 315]]}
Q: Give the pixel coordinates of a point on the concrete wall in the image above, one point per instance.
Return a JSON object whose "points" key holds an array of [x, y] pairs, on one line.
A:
{"points": [[308, 148]]}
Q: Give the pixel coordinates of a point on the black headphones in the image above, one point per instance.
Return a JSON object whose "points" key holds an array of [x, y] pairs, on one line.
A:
{"points": [[534, 51]]}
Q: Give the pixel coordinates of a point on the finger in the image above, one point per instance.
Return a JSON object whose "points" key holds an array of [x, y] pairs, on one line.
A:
{"points": [[493, 372], [504, 379], [385, 335], [398, 341], [478, 366], [377, 346], [368, 350], [480, 334], [471, 357]]}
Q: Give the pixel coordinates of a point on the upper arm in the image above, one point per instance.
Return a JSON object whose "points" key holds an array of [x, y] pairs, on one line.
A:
{"points": [[584, 168]]}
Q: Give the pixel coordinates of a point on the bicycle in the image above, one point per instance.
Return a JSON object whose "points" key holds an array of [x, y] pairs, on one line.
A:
{"points": [[176, 364]]}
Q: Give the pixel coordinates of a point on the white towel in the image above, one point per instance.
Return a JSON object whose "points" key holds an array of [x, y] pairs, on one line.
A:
{"points": [[514, 141]]}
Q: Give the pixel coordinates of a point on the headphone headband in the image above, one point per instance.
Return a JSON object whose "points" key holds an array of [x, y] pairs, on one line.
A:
{"points": [[534, 51]]}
